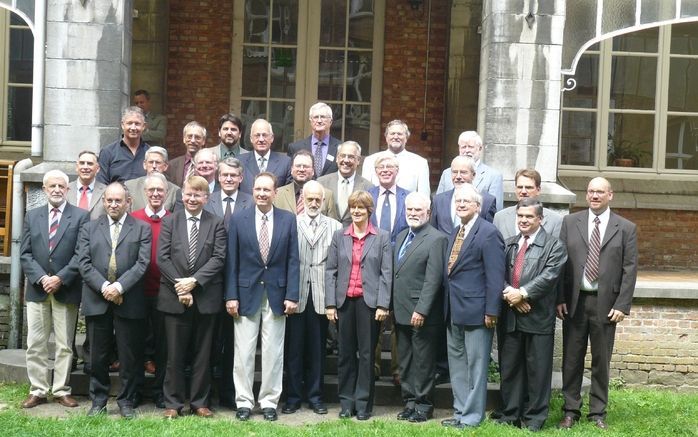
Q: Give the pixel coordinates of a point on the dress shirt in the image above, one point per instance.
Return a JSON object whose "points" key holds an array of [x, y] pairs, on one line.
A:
{"points": [[227, 152], [468, 226], [61, 207], [351, 179], [211, 185], [149, 212], [270, 222], [224, 196], [266, 159], [603, 218], [78, 194], [355, 288], [189, 222], [188, 162], [326, 141], [378, 208]]}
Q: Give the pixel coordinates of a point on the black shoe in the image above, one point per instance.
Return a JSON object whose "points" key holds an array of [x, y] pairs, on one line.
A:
{"points": [[137, 400], [405, 414], [290, 408], [159, 401], [363, 415], [420, 416], [97, 410], [319, 408], [269, 414], [243, 414], [127, 411], [345, 414]]}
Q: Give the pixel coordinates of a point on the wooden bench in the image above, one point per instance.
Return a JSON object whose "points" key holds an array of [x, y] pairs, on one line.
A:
{"points": [[6, 173]]}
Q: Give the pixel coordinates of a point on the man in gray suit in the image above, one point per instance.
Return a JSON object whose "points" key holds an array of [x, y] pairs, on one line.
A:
{"points": [[194, 139], [527, 185], [346, 180], [52, 289], [113, 255], [321, 145], [156, 161], [86, 192], [290, 196], [418, 306], [599, 282]]}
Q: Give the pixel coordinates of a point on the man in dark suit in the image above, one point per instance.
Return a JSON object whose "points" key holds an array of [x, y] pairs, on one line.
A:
{"points": [[85, 192], [321, 145], [535, 260], [262, 280], [263, 159], [230, 174], [191, 256], [418, 306], [181, 167], [444, 216], [599, 282], [389, 198], [474, 278], [53, 289], [114, 253], [345, 181]]}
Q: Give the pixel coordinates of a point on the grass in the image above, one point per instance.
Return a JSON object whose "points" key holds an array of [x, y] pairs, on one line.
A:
{"points": [[633, 412]]}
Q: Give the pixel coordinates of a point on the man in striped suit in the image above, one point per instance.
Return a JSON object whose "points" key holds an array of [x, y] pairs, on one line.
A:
{"points": [[306, 330]]}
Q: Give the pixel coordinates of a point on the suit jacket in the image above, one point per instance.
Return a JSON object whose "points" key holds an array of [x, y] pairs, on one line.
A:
{"points": [[138, 199], [96, 205], [37, 260], [248, 277], [418, 276], [215, 203], [376, 269], [486, 179], [441, 217], [279, 164], [400, 221], [330, 181], [475, 284], [175, 170], [617, 262], [132, 260], [505, 221], [330, 165], [312, 249], [544, 261], [173, 253], [286, 199]]}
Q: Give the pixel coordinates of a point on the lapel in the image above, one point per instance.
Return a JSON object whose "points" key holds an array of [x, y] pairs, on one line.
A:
{"points": [[583, 228], [104, 226], [399, 206], [204, 229], [307, 230], [479, 176], [347, 246], [251, 236], [96, 195], [331, 151], [272, 163], [62, 224], [276, 233], [611, 229], [468, 239], [416, 242], [125, 229], [42, 218], [241, 202], [216, 204], [370, 239]]}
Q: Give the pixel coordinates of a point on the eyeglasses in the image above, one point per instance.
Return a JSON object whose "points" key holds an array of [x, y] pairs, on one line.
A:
{"points": [[261, 135], [301, 166], [386, 167], [320, 117], [596, 192], [465, 202], [347, 156]]}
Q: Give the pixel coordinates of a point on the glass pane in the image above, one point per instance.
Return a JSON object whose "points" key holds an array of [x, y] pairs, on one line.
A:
{"points": [[257, 21], [578, 138], [617, 14], [361, 24], [254, 71], [683, 87], [19, 113], [284, 21], [630, 140], [682, 143], [684, 39], [251, 110], [357, 124], [645, 41], [587, 76], [633, 82], [337, 119], [283, 73], [281, 119], [331, 77], [16, 20], [333, 24], [359, 77], [21, 55]]}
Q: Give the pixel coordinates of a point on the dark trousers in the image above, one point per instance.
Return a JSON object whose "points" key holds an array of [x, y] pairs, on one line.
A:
{"points": [[180, 329], [155, 344], [129, 341], [222, 356], [586, 326], [358, 334], [526, 367], [305, 357], [416, 351]]}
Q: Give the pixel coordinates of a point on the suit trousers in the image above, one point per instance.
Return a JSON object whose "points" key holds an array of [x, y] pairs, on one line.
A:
{"points": [[526, 367], [468, 359], [306, 333], [358, 334], [155, 348], [190, 327], [416, 350], [247, 329], [42, 319], [222, 356], [129, 342], [586, 326]]}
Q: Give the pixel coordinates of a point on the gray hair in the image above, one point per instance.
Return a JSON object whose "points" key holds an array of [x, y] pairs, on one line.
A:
{"points": [[153, 176], [469, 162], [531, 202], [230, 162], [313, 185], [132, 110], [468, 136], [194, 125], [468, 192], [397, 123], [158, 150], [416, 196], [352, 144], [56, 174], [204, 151], [320, 107]]}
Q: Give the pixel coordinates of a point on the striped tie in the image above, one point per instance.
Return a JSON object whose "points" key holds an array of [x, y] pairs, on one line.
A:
{"points": [[591, 272], [300, 206], [193, 238], [53, 228], [317, 157]]}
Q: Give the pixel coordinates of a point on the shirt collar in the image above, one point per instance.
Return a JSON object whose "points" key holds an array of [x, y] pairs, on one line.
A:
{"points": [[61, 207], [121, 220], [188, 215], [259, 213], [392, 190], [149, 212], [233, 196], [604, 216], [325, 140], [369, 230], [350, 178], [257, 155]]}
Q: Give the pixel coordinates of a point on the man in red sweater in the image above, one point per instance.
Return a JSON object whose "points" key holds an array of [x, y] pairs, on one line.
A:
{"points": [[155, 188]]}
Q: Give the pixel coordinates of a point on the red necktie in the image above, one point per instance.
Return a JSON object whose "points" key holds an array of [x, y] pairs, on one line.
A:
{"points": [[84, 203], [518, 264]]}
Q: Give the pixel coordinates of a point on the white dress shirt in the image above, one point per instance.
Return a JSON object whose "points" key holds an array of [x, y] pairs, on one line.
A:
{"points": [[603, 218]]}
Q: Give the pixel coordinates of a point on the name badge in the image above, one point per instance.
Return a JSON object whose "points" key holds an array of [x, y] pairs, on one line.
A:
{"points": [[330, 158]]}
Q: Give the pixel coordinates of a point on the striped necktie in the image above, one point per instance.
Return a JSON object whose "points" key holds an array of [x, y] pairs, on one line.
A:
{"points": [[591, 271], [193, 240], [53, 228]]}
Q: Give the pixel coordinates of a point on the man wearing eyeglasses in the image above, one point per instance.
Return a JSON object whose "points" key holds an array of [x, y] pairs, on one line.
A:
{"points": [[155, 162], [263, 159], [181, 167], [320, 143]]}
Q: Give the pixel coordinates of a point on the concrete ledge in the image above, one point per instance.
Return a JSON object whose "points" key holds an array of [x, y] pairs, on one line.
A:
{"points": [[666, 290]]}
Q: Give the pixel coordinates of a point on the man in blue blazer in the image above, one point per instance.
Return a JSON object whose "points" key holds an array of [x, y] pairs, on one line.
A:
{"points": [[320, 144], [388, 198], [262, 281], [230, 174], [474, 278], [263, 159]]}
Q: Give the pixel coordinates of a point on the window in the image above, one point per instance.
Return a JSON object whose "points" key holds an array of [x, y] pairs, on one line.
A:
{"points": [[16, 53], [635, 107]]}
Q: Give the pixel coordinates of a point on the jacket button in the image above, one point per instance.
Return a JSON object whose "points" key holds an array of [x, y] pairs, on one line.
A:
{"points": [[261, 282]]}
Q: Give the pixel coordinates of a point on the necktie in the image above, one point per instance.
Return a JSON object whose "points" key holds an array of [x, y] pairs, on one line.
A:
{"points": [[111, 273], [190, 170], [262, 164], [319, 162], [300, 207], [591, 272], [53, 228], [264, 239], [193, 239], [456, 248], [155, 218], [228, 211], [518, 264], [343, 196], [84, 202], [385, 212], [405, 245], [313, 226]]}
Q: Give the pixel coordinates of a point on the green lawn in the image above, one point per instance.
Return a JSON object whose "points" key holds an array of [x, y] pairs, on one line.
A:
{"points": [[632, 413]]}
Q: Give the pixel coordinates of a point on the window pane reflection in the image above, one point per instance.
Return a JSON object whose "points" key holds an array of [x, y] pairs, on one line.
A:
{"points": [[19, 113], [578, 138], [359, 77], [21, 56], [281, 119], [684, 39], [283, 73], [683, 87], [584, 95], [633, 82], [645, 41], [333, 24], [254, 71], [682, 143], [251, 110], [630, 140], [331, 77], [361, 24]]}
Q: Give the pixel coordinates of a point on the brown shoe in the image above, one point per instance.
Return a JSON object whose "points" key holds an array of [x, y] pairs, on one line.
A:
{"points": [[202, 412], [149, 367], [32, 401], [66, 401], [171, 413], [567, 422], [600, 423]]}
